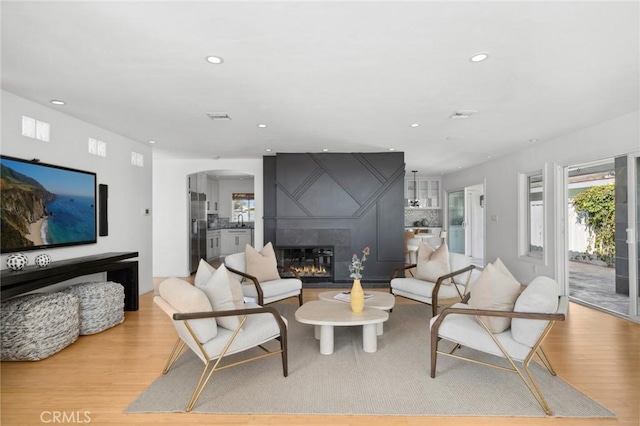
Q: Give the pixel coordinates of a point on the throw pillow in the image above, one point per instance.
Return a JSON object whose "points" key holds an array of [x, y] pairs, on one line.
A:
{"points": [[203, 274], [432, 264], [503, 268], [541, 295], [185, 298], [496, 291], [263, 264], [225, 294]]}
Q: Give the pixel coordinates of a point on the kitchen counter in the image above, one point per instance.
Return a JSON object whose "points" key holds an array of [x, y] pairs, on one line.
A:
{"points": [[429, 235], [216, 228], [222, 241], [424, 229]]}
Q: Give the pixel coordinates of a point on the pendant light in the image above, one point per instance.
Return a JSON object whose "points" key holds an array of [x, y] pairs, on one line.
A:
{"points": [[415, 202]]}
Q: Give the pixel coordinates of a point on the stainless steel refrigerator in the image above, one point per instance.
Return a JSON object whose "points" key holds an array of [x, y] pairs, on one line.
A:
{"points": [[197, 226]]}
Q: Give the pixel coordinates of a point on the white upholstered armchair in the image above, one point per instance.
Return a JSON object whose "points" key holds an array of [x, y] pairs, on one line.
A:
{"points": [[214, 332], [440, 275], [519, 334], [259, 273]]}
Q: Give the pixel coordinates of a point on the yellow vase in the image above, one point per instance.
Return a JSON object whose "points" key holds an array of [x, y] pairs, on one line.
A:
{"points": [[357, 297]]}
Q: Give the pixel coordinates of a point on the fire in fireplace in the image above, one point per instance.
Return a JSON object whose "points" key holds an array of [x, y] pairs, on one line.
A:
{"points": [[311, 263]]}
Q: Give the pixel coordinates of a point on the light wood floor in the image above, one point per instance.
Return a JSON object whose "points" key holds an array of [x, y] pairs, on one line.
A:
{"points": [[96, 378]]}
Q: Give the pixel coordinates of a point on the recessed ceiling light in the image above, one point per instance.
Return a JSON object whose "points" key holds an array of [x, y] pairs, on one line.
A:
{"points": [[533, 140], [58, 102], [392, 149], [325, 149], [152, 142], [262, 126], [415, 124], [268, 149], [479, 57], [217, 60]]}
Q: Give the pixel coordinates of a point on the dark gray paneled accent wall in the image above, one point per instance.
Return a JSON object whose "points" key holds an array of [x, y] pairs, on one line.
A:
{"points": [[269, 176], [346, 200]]}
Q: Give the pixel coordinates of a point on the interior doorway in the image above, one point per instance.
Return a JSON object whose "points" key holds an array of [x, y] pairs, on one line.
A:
{"points": [[465, 222]]}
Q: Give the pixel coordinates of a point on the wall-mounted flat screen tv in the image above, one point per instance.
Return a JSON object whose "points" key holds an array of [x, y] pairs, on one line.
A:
{"points": [[44, 206]]}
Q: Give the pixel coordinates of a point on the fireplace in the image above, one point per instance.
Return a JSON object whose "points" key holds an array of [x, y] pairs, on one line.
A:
{"points": [[342, 202], [313, 264]]}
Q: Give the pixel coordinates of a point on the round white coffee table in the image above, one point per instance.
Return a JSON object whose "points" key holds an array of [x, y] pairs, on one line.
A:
{"points": [[325, 315], [381, 300]]}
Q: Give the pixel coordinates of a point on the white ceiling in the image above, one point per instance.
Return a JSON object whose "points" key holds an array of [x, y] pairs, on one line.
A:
{"points": [[345, 76]]}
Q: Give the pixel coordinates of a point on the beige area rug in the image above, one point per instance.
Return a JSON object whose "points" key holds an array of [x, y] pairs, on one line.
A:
{"points": [[393, 381]]}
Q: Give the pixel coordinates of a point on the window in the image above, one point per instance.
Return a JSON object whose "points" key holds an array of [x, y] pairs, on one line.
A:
{"points": [[536, 216], [243, 207], [531, 223]]}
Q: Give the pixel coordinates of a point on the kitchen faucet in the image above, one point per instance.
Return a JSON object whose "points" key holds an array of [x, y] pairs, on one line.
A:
{"points": [[241, 220]]}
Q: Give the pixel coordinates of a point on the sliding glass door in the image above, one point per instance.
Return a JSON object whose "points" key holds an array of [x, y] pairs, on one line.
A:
{"points": [[633, 235], [456, 221], [465, 222], [602, 238]]}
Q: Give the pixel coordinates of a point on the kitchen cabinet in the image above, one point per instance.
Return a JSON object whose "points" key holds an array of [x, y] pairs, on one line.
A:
{"points": [[427, 191], [213, 244], [209, 245], [217, 245], [202, 183], [197, 182], [234, 240], [212, 196]]}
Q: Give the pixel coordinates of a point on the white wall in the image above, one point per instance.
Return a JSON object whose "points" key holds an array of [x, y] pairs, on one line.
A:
{"points": [[608, 139], [129, 186], [225, 188], [170, 206]]}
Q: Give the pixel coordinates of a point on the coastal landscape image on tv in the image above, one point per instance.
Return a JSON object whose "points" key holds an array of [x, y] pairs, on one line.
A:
{"points": [[44, 206]]}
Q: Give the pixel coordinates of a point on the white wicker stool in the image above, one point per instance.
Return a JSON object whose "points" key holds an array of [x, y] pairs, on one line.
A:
{"points": [[37, 326], [101, 305]]}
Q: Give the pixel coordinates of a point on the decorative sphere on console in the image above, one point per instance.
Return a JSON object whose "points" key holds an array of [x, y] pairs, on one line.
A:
{"points": [[17, 261], [43, 260]]}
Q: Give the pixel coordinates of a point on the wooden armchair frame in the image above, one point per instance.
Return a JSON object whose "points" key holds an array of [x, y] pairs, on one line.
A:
{"points": [[559, 315], [438, 284], [256, 283], [210, 365]]}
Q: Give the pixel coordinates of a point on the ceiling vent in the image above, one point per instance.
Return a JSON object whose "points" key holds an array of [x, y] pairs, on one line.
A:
{"points": [[463, 113], [219, 116]]}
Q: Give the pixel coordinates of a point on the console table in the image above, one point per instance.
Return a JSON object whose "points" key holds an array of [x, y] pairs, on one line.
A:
{"points": [[118, 269]]}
